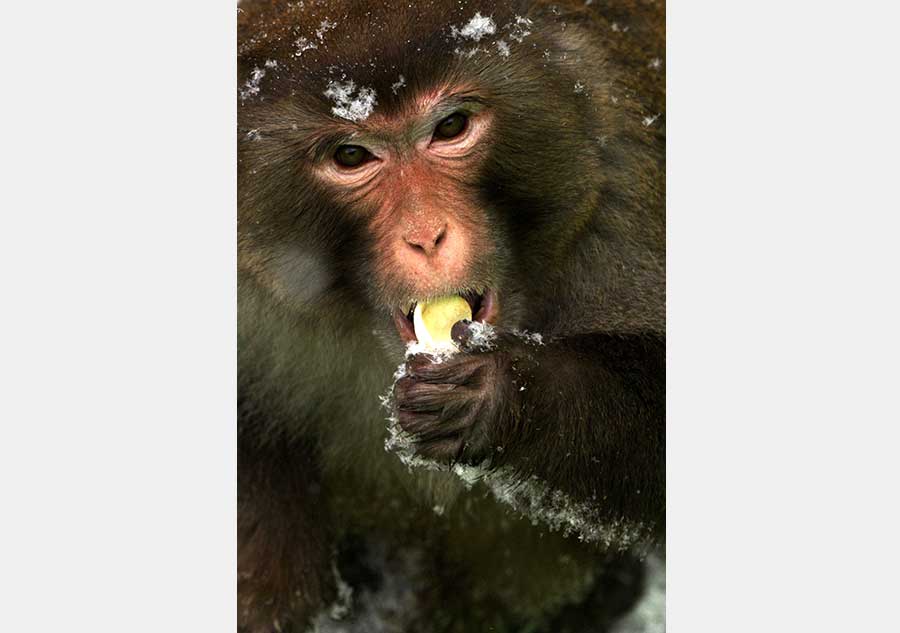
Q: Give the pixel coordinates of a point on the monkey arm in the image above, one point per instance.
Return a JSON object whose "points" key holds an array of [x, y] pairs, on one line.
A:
{"points": [[591, 422], [585, 414]]}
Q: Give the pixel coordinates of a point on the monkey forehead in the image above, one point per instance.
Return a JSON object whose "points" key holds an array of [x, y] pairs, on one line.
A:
{"points": [[424, 106], [368, 25], [381, 38], [400, 125]]}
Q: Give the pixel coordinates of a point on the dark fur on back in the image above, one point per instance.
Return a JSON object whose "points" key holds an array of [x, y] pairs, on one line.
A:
{"points": [[573, 191]]}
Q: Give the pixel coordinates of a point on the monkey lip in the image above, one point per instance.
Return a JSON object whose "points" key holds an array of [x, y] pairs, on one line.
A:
{"points": [[484, 309]]}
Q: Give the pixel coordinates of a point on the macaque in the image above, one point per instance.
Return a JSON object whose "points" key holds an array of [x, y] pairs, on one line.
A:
{"points": [[498, 169]]}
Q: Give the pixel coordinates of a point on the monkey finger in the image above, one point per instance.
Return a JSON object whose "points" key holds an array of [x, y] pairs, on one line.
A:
{"points": [[436, 428], [411, 386], [455, 371], [435, 432], [423, 369], [407, 389], [458, 406], [441, 450], [424, 397], [402, 386], [419, 363], [461, 334], [417, 423]]}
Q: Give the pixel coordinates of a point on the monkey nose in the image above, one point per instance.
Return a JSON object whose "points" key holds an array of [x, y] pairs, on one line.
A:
{"points": [[426, 241]]}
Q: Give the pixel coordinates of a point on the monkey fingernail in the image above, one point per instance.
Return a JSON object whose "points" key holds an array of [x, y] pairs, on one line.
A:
{"points": [[460, 332]]}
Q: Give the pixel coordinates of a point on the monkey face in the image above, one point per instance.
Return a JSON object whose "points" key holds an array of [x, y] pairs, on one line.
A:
{"points": [[411, 180], [455, 162]]}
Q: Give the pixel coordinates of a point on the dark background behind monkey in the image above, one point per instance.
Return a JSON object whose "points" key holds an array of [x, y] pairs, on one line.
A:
{"points": [[543, 201]]}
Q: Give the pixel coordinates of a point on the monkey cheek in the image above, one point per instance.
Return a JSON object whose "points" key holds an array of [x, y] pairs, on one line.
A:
{"points": [[297, 275]]}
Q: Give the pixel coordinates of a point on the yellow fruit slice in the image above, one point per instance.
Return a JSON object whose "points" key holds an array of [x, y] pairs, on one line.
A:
{"points": [[433, 320]]}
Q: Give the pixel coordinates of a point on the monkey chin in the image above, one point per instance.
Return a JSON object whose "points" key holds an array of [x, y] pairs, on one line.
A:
{"points": [[485, 309]]}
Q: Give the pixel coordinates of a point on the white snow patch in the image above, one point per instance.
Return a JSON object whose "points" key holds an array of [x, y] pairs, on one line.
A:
{"points": [[579, 88], [395, 605], [649, 120], [303, 45], [476, 28], [344, 602], [397, 85], [534, 338], [655, 63], [468, 54], [532, 498], [435, 353], [503, 47], [518, 28], [540, 503], [324, 26], [481, 336], [349, 103], [251, 86]]}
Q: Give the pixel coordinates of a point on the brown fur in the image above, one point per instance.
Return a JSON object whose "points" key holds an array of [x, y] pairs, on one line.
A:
{"points": [[571, 190]]}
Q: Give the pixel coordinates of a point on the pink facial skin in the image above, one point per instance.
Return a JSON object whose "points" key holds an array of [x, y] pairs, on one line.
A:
{"points": [[420, 208]]}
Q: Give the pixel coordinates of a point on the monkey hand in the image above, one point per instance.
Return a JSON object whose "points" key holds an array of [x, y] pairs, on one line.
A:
{"points": [[463, 408]]}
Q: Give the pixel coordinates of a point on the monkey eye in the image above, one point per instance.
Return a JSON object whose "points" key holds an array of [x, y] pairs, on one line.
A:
{"points": [[452, 126], [351, 155]]}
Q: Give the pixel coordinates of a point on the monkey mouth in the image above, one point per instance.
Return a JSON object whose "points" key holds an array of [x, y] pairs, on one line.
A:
{"points": [[484, 308]]}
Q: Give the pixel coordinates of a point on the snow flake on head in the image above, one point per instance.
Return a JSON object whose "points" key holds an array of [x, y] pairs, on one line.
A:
{"points": [[251, 86], [649, 120], [349, 103], [397, 85], [518, 28], [303, 44], [503, 47], [325, 26], [476, 28]]}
